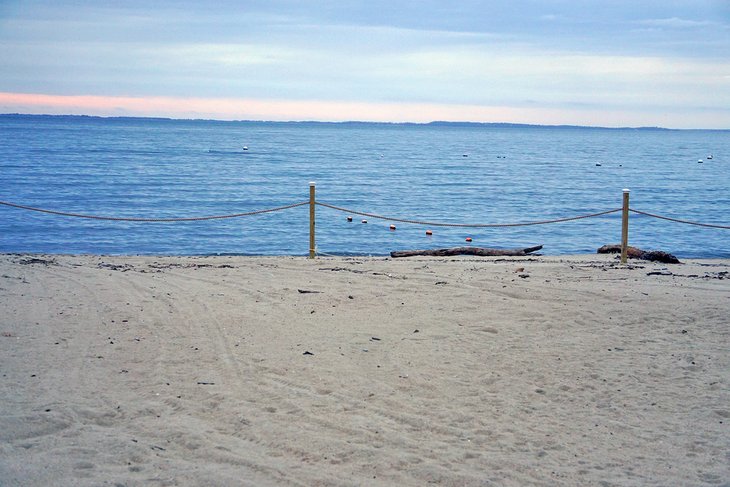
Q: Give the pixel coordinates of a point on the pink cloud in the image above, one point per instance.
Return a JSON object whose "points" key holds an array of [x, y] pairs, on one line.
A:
{"points": [[252, 109]]}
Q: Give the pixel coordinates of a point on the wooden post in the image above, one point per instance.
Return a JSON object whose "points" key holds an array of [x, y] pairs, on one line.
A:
{"points": [[625, 228], [311, 220]]}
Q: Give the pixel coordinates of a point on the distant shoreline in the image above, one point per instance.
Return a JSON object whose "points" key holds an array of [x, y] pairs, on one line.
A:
{"points": [[435, 123]]}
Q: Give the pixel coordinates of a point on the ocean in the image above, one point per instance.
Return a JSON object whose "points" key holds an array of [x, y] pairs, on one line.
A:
{"points": [[438, 173]]}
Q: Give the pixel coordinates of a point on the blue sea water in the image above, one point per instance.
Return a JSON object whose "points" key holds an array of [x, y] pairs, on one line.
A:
{"points": [[452, 173]]}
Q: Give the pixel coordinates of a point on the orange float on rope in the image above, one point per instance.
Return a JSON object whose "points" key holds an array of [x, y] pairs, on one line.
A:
{"points": [[429, 232], [468, 239]]}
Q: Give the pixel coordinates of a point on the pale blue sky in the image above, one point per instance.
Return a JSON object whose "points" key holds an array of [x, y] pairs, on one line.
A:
{"points": [[612, 63]]}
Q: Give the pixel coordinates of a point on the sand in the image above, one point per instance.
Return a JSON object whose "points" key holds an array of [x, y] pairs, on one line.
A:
{"points": [[158, 371]]}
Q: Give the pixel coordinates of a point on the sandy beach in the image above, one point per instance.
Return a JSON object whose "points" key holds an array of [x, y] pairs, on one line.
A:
{"points": [[268, 371]]}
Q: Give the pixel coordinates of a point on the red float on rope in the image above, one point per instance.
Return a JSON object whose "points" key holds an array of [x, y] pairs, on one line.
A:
{"points": [[429, 232], [468, 239]]}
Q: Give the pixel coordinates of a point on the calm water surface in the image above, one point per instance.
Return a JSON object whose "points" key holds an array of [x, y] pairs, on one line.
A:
{"points": [[458, 174]]}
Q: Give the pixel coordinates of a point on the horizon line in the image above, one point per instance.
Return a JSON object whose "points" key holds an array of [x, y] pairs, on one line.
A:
{"points": [[333, 111], [360, 122]]}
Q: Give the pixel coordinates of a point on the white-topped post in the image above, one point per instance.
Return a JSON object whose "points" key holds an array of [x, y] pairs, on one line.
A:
{"points": [[311, 220], [625, 227]]}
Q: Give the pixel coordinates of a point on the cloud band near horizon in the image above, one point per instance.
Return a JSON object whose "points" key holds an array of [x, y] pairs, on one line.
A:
{"points": [[338, 111]]}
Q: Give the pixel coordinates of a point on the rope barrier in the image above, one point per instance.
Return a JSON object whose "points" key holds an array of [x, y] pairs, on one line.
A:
{"points": [[726, 227], [133, 219], [354, 212], [319, 252], [312, 203], [467, 225]]}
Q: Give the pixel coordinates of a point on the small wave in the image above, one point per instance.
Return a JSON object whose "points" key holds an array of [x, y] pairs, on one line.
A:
{"points": [[228, 152]]}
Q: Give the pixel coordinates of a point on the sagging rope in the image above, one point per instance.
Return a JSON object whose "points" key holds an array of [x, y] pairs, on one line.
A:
{"points": [[711, 225], [468, 225], [354, 212], [134, 219]]}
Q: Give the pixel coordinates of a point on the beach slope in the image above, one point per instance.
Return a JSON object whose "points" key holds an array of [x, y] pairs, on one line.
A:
{"points": [[363, 371]]}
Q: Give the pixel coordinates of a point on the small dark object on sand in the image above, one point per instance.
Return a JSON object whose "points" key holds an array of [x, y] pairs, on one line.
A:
{"points": [[479, 251], [636, 253]]}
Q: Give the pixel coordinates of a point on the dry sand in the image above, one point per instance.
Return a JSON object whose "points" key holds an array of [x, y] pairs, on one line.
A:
{"points": [[363, 371]]}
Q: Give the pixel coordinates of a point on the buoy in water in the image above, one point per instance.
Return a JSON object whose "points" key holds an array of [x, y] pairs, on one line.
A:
{"points": [[349, 218], [245, 147], [364, 221], [429, 232], [392, 227], [700, 161], [468, 239], [710, 156]]}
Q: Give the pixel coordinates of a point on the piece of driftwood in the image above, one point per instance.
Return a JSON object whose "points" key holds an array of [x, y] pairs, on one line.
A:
{"points": [[636, 253], [480, 251]]}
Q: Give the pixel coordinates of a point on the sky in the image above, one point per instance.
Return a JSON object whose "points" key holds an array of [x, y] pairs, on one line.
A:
{"points": [[610, 63]]}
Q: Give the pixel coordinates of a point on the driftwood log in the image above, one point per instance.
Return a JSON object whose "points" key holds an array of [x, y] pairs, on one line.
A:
{"points": [[636, 253], [479, 251]]}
